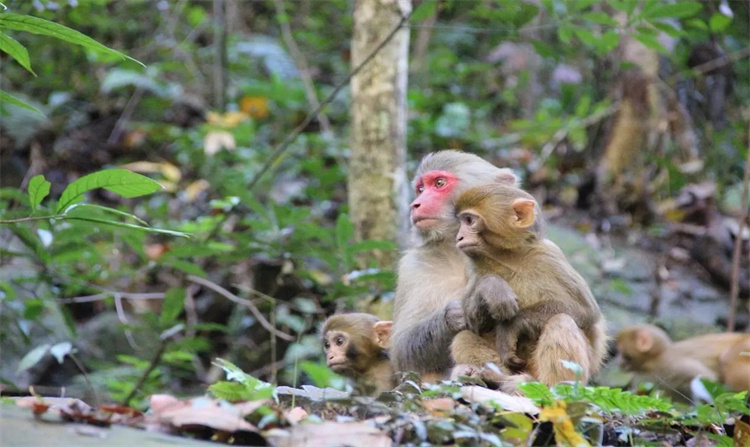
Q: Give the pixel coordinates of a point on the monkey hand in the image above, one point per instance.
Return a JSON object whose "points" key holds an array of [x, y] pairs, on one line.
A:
{"points": [[496, 296], [454, 316]]}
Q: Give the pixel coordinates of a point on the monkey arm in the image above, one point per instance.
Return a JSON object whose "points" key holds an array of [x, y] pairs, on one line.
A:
{"points": [[425, 346], [490, 302]]}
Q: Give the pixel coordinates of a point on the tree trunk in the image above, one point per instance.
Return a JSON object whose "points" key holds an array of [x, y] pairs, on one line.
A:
{"points": [[378, 188]]}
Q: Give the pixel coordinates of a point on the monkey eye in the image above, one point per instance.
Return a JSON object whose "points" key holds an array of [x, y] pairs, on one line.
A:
{"points": [[339, 341], [440, 182], [420, 188], [326, 345], [468, 219]]}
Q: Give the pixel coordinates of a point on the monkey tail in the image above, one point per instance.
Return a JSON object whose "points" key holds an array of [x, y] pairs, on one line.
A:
{"points": [[561, 339]]}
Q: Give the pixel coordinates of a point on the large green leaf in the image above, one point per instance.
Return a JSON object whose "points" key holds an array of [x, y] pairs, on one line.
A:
{"points": [[43, 27], [32, 358], [679, 10], [16, 51], [38, 190], [119, 181], [4, 97]]}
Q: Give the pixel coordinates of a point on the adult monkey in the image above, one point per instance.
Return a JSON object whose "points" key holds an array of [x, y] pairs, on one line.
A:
{"points": [[427, 313]]}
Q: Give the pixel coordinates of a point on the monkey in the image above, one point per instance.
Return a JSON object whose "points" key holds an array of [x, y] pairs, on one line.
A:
{"points": [[649, 352], [541, 309], [356, 346], [432, 272]]}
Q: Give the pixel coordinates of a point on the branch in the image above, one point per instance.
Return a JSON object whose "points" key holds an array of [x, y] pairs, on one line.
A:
{"points": [[710, 65], [284, 145], [25, 219], [299, 59], [247, 303], [144, 376], [734, 290]]}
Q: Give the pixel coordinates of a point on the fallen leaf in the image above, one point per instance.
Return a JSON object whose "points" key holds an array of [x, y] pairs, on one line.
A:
{"points": [[228, 120], [440, 406], [216, 140], [193, 190], [332, 434], [484, 396], [295, 415]]}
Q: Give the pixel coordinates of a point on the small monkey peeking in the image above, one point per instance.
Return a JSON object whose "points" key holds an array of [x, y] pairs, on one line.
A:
{"points": [[527, 301], [355, 346]]}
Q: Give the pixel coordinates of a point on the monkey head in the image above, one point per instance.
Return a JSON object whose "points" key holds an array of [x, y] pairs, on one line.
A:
{"points": [[637, 345], [354, 342], [496, 217], [440, 178]]}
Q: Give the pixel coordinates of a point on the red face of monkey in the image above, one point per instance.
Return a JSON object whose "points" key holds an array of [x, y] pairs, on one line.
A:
{"points": [[433, 202]]}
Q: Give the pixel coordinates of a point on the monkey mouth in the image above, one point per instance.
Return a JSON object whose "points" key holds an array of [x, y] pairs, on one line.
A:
{"points": [[466, 245], [424, 222], [338, 367]]}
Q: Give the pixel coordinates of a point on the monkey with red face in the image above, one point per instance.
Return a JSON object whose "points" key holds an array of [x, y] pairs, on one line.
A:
{"points": [[432, 272], [356, 346]]}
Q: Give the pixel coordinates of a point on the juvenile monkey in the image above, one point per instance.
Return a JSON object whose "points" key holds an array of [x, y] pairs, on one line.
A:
{"points": [[356, 346], [538, 308], [647, 350], [431, 274]]}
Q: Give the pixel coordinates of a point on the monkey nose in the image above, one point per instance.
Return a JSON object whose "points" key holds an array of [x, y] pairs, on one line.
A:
{"points": [[415, 205], [459, 238]]}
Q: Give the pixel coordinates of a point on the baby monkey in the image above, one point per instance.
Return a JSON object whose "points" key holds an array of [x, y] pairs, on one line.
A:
{"points": [[356, 347], [526, 294]]}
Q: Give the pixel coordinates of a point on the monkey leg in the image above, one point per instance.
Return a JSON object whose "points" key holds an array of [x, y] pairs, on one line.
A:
{"points": [[735, 366], [471, 349], [561, 339]]}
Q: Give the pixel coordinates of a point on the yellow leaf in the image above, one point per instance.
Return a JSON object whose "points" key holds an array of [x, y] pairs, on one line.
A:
{"points": [[254, 106], [194, 189], [227, 120], [565, 433]]}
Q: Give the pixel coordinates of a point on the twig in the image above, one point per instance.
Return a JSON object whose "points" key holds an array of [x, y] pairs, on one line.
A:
{"points": [[85, 375], [299, 59], [144, 376], [25, 219], [125, 116], [734, 290], [710, 65], [103, 296], [247, 303], [220, 55], [284, 145]]}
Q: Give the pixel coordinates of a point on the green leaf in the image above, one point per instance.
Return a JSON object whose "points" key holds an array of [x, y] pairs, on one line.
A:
{"points": [[679, 10], [600, 17], [564, 33], [38, 190], [255, 389], [32, 358], [719, 22], [344, 232], [106, 209], [580, 5], [16, 51], [43, 27], [321, 376], [668, 29], [650, 42], [6, 98], [60, 350], [119, 181], [174, 302], [425, 10], [586, 36]]}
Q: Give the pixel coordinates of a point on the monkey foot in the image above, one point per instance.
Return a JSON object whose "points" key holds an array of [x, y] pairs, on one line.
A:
{"points": [[509, 384]]}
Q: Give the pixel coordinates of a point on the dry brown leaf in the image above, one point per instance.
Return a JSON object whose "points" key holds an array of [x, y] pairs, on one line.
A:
{"points": [[505, 401], [229, 119], [193, 190], [331, 434], [295, 415]]}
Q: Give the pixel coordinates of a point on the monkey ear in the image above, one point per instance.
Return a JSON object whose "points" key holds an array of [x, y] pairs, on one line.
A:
{"points": [[383, 333], [643, 341], [525, 209], [507, 177]]}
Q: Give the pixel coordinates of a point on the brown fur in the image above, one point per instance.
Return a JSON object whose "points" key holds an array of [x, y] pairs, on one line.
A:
{"points": [[546, 306], [647, 350], [362, 354], [431, 274]]}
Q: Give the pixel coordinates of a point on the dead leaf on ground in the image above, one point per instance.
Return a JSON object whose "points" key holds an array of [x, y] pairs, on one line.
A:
{"points": [[332, 434], [440, 406], [482, 395], [217, 140]]}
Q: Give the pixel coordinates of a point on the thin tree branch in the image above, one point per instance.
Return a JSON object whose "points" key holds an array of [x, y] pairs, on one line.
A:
{"points": [[154, 362], [284, 145], [85, 375], [103, 296], [247, 303], [710, 65], [299, 59], [734, 290], [25, 219]]}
